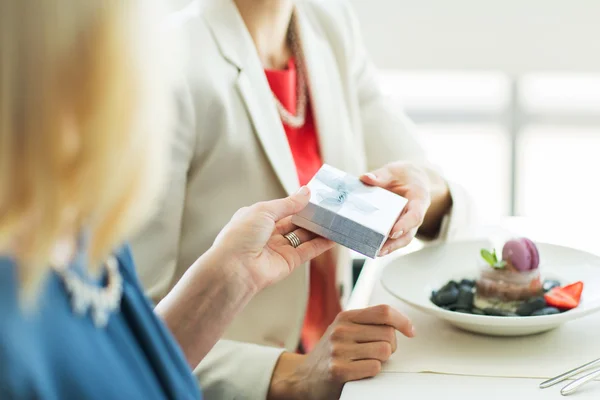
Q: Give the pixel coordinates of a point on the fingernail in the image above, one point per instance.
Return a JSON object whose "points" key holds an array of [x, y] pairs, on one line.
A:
{"points": [[383, 252], [396, 235], [371, 175], [412, 331], [303, 191]]}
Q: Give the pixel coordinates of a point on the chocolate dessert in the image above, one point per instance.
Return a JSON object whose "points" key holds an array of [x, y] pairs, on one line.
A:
{"points": [[509, 287], [505, 284]]}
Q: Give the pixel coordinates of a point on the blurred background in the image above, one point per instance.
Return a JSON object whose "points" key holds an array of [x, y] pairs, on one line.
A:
{"points": [[507, 93]]}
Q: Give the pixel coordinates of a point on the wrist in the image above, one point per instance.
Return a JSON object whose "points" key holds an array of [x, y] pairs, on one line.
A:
{"points": [[441, 196], [441, 204], [228, 269], [285, 384]]}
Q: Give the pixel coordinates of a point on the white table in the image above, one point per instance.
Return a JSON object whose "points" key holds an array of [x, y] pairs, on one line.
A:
{"points": [[390, 385]]}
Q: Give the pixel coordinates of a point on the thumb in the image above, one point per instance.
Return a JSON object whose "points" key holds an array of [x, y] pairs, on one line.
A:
{"points": [[281, 208], [380, 177]]}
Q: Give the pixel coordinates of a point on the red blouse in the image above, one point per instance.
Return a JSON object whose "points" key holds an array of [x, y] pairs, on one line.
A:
{"points": [[323, 303]]}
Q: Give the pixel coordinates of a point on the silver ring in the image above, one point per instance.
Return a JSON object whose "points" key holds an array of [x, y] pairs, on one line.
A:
{"points": [[293, 239]]}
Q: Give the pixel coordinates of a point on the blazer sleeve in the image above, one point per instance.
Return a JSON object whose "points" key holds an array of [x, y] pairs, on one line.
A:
{"points": [[388, 133], [231, 370], [155, 248], [236, 370]]}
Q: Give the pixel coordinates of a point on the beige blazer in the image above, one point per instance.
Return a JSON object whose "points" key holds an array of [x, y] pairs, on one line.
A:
{"points": [[230, 150]]}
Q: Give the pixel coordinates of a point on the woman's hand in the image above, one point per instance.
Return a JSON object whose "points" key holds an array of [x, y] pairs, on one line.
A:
{"points": [[249, 254], [254, 240], [354, 347], [428, 200]]}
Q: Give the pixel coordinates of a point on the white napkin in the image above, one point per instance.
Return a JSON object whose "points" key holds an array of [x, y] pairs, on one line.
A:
{"points": [[441, 348]]}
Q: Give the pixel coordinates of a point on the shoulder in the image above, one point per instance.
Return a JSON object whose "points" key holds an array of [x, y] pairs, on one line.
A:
{"points": [[198, 51], [186, 18], [334, 17], [335, 22], [206, 74], [182, 16], [190, 27], [335, 9]]}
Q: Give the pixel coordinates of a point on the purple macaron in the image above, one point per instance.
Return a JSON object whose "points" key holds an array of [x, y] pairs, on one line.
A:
{"points": [[522, 254]]}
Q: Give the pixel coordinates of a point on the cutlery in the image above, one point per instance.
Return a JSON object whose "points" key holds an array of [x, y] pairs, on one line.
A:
{"points": [[568, 374], [576, 384]]}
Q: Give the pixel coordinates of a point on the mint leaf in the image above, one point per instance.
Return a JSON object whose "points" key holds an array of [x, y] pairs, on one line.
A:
{"points": [[500, 264], [489, 257], [495, 256]]}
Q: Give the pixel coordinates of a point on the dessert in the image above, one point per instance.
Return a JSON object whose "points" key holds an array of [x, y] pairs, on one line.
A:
{"points": [[509, 287], [505, 284]]}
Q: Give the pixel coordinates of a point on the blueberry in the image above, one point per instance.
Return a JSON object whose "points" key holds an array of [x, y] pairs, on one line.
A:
{"points": [[446, 297], [531, 306], [448, 286], [465, 298], [466, 288], [494, 312], [467, 282], [545, 311], [550, 284]]}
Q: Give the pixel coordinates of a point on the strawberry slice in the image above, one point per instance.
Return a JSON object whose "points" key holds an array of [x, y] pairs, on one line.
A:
{"points": [[559, 299], [574, 289], [566, 297]]}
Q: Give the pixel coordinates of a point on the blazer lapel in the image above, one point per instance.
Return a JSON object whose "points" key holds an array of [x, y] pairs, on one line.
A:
{"points": [[236, 45], [326, 92]]}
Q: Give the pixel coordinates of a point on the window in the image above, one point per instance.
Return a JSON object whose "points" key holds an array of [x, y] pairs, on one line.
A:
{"points": [[526, 146], [461, 116], [558, 172], [477, 156]]}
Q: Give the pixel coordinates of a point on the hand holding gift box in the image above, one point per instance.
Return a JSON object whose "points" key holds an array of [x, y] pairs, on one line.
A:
{"points": [[349, 212]]}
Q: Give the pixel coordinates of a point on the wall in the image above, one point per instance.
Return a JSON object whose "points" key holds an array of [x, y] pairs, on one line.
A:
{"points": [[509, 35]]}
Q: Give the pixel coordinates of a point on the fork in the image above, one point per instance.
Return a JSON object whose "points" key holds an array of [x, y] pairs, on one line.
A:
{"points": [[579, 382], [569, 374]]}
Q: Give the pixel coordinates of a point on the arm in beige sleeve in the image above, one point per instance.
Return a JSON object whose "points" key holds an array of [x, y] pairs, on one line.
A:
{"points": [[156, 247], [236, 370], [231, 369], [190, 304]]}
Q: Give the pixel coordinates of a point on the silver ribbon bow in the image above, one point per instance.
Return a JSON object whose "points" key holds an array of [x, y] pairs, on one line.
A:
{"points": [[342, 190]]}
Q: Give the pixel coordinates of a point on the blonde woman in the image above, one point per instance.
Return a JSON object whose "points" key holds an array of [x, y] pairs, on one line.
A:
{"points": [[78, 170]]}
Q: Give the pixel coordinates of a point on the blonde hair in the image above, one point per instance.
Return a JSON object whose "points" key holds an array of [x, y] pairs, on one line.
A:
{"points": [[84, 108]]}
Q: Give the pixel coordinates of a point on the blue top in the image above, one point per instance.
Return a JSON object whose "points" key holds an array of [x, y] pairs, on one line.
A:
{"points": [[52, 353]]}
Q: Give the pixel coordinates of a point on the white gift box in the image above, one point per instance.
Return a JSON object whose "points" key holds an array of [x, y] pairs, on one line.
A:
{"points": [[345, 210]]}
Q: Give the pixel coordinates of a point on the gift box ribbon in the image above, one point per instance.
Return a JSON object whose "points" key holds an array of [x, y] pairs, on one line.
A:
{"points": [[345, 190]]}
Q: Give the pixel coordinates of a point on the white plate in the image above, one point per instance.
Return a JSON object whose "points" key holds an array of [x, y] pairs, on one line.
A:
{"points": [[412, 278]]}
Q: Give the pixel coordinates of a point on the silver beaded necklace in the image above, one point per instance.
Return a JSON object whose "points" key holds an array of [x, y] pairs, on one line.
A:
{"points": [[99, 301], [295, 121]]}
